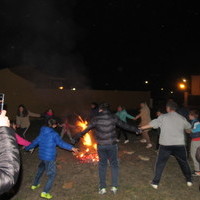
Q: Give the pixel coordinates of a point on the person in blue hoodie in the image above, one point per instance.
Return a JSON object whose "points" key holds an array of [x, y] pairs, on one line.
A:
{"points": [[123, 115], [47, 141], [195, 139]]}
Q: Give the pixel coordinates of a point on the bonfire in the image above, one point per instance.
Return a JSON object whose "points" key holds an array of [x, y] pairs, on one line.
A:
{"points": [[87, 145]]}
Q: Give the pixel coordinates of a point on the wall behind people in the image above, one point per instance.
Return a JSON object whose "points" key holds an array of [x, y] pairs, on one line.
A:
{"points": [[21, 91]]}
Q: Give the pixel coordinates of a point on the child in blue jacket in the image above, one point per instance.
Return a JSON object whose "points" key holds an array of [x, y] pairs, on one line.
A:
{"points": [[195, 139], [47, 141]]}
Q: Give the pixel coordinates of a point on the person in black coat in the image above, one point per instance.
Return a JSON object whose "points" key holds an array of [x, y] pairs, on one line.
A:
{"points": [[9, 155], [105, 124]]}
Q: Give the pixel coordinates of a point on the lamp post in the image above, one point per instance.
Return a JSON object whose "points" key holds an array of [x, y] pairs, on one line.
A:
{"points": [[183, 85]]}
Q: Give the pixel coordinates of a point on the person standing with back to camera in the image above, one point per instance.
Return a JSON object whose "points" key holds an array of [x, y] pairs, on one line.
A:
{"points": [[172, 142], [145, 116]]}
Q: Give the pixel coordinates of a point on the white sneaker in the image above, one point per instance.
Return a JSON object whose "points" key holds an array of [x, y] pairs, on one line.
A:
{"points": [[102, 191], [154, 186], [149, 146], [126, 141], [117, 140], [189, 184], [114, 190], [143, 141]]}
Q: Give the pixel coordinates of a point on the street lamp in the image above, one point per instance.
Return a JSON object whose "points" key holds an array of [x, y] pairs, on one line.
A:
{"points": [[183, 85]]}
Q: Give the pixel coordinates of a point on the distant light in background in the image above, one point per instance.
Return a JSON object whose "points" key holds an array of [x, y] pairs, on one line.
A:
{"points": [[171, 92], [146, 82], [184, 80], [182, 86], [73, 89], [162, 89], [61, 88]]}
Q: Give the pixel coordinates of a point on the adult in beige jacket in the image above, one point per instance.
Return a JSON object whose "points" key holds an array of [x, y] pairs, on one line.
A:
{"points": [[23, 118], [145, 116]]}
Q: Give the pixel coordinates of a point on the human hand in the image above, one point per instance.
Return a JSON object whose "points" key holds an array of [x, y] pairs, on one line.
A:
{"points": [[4, 121], [31, 150], [75, 150], [139, 131]]}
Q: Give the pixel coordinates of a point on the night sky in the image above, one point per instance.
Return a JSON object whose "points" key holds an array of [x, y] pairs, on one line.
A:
{"points": [[113, 44]]}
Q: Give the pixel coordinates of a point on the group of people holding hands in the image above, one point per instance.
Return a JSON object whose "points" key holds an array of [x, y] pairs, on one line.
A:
{"points": [[107, 128]]}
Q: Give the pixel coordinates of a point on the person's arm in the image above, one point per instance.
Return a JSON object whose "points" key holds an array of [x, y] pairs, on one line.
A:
{"points": [[81, 134], [148, 126], [31, 114], [126, 126], [137, 116], [62, 144], [22, 141], [187, 126], [33, 144], [9, 155], [129, 116], [156, 123]]}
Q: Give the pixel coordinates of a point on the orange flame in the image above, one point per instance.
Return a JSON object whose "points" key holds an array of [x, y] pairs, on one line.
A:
{"points": [[88, 152]]}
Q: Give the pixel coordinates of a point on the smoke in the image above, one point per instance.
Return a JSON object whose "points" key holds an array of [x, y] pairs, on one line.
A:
{"points": [[46, 37]]}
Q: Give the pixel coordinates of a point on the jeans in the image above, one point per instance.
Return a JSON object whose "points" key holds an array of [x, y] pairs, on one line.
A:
{"points": [[50, 168], [180, 153], [108, 153], [193, 149]]}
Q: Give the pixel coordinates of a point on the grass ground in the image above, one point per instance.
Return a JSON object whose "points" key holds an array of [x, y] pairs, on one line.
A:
{"points": [[78, 181]]}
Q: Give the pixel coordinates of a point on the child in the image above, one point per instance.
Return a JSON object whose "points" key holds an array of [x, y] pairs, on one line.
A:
{"points": [[47, 141], [123, 115], [195, 136], [19, 139], [49, 114], [66, 129]]}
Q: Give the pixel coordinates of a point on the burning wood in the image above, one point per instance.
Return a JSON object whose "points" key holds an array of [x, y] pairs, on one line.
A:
{"points": [[88, 146]]}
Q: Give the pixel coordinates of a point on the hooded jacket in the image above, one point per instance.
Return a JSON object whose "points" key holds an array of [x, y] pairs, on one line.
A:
{"points": [[105, 128], [195, 129], [47, 141], [9, 159]]}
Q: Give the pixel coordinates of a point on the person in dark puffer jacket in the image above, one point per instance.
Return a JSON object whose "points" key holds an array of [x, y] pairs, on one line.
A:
{"points": [[47, 141], [105, 124], [9, 155]]}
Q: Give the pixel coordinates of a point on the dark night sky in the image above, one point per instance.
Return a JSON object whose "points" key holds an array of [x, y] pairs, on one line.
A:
{"points": [[113, 44]]}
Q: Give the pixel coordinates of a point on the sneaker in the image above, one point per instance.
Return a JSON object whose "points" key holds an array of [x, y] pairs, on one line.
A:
{"points": [[114, 190], [149, 146], [102, 191], [154, 186], [117, 140], [126, 141], [33, 187], [46, 195], [196, 173], [143, 141], [189, 184]]}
